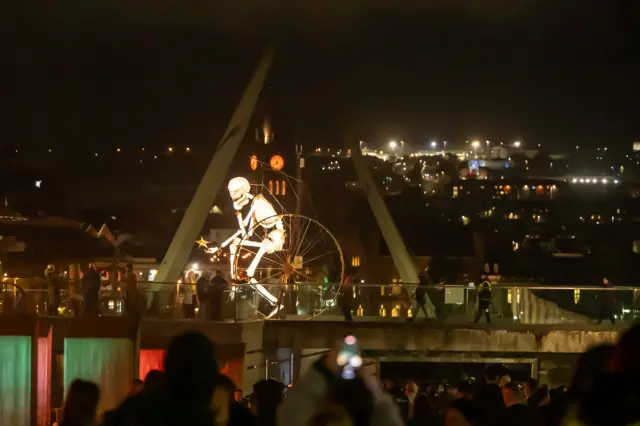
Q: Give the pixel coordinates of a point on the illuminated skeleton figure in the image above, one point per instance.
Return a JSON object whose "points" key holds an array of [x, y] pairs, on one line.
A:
{"points": [[261, 212]]}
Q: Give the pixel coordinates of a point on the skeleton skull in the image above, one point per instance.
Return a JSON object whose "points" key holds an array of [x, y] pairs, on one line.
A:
{"points": [[239, 189]]}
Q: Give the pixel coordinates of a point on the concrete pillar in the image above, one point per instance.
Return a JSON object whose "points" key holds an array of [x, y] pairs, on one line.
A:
{"points": [[253, 366]]}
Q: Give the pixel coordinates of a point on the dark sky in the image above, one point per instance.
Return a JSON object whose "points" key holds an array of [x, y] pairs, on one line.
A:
{"points": [[105, 73]]}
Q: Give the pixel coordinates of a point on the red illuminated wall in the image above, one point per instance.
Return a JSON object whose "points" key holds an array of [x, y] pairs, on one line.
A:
{"points": [[153, 359], [44, 379]]}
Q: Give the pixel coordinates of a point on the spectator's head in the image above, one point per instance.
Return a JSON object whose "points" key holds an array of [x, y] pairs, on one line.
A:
{"points": [[388, 384], [153, 381], [512, 394], [222, 399], [51, 269], [541, 397], [464, 390], [91, 266], [136, 387], [191, 370], [492, 374], [81, 404], [411, 389], [219, 273], [530, 387], [225, 389], [266, 397]]}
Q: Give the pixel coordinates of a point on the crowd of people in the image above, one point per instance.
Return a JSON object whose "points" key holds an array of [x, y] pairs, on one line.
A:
{"points": [[191, 391]]}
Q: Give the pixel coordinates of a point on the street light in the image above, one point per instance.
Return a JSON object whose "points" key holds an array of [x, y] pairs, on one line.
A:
{"points": [[393, 144], [433, 145], [475, 145], [516, 144]]}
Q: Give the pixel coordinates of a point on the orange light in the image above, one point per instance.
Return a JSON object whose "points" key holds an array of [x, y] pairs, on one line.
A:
{"points": [[253, 162], [276, 162]]}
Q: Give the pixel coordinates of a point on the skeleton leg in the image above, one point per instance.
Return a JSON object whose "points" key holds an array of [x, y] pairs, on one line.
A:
{"points": [[233, 251], [262, 291]]}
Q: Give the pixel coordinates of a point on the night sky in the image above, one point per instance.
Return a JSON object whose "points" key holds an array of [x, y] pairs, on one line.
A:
{"points": [[102, 74]]}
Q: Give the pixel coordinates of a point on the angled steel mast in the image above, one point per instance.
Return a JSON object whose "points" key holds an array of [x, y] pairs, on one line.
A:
{"points": [[178, 253]]}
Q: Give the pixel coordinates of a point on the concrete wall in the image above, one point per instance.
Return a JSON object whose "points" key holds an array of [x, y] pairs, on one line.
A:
{"points": [[429, 337]]}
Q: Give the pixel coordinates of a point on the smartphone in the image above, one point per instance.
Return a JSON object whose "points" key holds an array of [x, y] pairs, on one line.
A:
{"points": [[349, 359]]}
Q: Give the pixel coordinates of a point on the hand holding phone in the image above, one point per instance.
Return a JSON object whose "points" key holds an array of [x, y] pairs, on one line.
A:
{"points": [[348, 358]]}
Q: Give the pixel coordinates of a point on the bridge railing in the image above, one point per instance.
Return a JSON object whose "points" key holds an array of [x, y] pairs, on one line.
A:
{"points": [[529, 304]]}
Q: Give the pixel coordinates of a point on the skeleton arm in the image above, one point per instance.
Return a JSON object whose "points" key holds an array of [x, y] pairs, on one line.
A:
{"points": [[225, 243], [250, 220]]}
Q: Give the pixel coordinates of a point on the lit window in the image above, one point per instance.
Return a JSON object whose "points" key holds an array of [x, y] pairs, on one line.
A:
{"points": [[355, 261], [271, 186], [284, 188], [277, 187]]}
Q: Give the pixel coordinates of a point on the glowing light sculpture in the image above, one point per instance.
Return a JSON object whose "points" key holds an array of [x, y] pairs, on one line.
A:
{"points": [[266, 237]]}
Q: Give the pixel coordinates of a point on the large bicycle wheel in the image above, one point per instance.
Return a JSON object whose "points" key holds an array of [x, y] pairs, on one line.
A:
{"points": [[310, 260]]}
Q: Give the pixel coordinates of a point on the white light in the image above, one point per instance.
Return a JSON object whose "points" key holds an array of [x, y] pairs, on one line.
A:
{"points": [[433, 144], [574, 180], [604, 181], [393, 144], [517, 144], [475, 144], [194, 266], [38, 183], [581, 180], [356, 361], [615, 181]]}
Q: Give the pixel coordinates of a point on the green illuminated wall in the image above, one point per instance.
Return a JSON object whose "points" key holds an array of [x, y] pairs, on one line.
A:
{"points": [[107, 362], [15, 380]]}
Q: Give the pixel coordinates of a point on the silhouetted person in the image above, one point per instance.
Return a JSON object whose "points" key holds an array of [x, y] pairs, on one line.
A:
{"points": [[53, 290], [267, 395], [81, 404], [136, 387], [216, 291], [488, 397], [230, 412], [415, 407], [153, 382], [191, 373], [133, 298], [607, 302], [517, 412], [420, 295], [203, 284], [346, 297], [484, 299], [91, 290]]}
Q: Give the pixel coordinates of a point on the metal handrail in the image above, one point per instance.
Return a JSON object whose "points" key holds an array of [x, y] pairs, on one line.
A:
{"points": [[371, 285]]}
